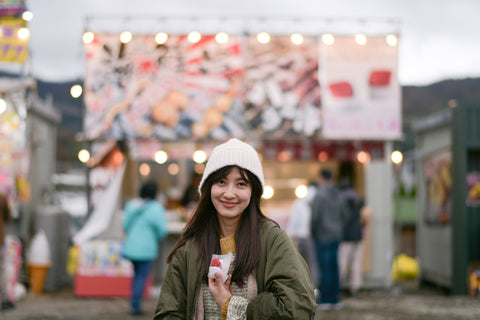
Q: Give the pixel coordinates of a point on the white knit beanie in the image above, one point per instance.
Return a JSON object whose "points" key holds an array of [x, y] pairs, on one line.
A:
{"points": [[233, 152]]}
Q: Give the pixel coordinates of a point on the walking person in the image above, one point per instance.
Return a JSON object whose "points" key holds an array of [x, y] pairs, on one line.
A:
{"points": [[145, 225], [267, 278], [298, 229], [351, 248], [5, 217], [328, 216]]}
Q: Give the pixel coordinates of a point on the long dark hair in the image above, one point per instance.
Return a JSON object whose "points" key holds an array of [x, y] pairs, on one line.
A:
{"points": [[205, 229]]}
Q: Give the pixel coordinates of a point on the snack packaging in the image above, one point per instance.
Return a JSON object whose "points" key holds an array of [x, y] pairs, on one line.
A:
{"points": [[220, 263]]}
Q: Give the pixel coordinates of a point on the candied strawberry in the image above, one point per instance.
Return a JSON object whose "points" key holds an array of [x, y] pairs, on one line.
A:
{"points": [[216, 262]]}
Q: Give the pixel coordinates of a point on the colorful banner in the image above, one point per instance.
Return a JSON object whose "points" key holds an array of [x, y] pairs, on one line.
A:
{"points": [[438, 178], [209, 90], [360, 90], [12, 48], [178, 90], [282, 92]]}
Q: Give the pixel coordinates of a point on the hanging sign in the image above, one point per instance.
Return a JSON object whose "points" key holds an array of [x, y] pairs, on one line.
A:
{"points": [[12, 48], [360, 90]]}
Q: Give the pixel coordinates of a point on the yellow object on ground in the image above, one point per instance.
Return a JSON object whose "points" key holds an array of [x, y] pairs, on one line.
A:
{"points": [[72, 260], [404, 268]]}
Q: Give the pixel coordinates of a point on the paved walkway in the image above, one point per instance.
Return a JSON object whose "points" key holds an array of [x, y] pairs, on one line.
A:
{"points": [[410, 304]]}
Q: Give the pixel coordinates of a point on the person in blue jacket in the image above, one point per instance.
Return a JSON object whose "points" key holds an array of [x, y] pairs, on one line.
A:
{"points": [[145, 225]]}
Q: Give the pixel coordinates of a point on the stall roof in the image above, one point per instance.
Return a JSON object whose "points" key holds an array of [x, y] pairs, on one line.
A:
{"points": [[10, 84], [431, 121]]}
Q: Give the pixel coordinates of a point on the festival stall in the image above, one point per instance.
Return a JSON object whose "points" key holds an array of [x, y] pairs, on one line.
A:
{"points": [[448, 178], [303, 101], [27, 143], [14, 155]]}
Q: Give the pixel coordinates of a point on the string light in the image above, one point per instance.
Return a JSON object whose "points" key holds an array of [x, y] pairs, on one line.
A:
{"points": [[323, 156], [221, 37], [27, 16], [144, 169], [301, 191], [363, 157], [268, 192], [23, 33], [76, 91], [173, 169], [88, 37], [126, 37], [161, 38], [391, 40], [296, 38], [83, 155], [328, 39], [199, 168], [161, 157], [396, 157], [199, 156], [263, 37], [194, 36], [361, 39]]}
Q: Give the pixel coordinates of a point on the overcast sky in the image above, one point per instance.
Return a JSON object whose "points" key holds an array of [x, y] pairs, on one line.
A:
{"points": [[438, 38]]}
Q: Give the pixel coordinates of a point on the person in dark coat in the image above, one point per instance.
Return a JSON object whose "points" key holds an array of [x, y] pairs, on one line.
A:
{"points": [[328, 217], [351, 248]]}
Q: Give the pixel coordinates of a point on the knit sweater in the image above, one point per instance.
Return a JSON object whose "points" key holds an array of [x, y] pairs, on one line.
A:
{"points": [[238, 302]]}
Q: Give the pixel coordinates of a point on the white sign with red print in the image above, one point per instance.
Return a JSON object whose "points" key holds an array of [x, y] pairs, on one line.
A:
{"points": [[360, 90]]}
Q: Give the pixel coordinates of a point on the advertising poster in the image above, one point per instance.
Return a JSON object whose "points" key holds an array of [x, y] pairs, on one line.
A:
{"points": [[13, 49], [473, 189], [360, 90], [171, 91], [14, 155], [438, 178], [282, 93], [103, 258]]}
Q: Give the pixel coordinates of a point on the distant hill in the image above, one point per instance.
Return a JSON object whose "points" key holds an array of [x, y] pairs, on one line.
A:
{"points": [[418, 102]]}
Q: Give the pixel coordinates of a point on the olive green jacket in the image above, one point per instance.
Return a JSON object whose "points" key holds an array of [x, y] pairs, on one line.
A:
{"points": [[284, 287]]}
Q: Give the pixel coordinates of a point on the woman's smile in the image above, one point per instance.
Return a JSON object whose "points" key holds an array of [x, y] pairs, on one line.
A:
{"points": [[230, 196]]}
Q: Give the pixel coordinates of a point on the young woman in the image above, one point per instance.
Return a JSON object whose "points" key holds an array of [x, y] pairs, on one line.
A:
{"points": [[267, 278]]}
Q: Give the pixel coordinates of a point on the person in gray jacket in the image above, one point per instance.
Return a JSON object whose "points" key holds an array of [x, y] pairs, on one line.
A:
{"points": [[267, 278], [328, 216]]}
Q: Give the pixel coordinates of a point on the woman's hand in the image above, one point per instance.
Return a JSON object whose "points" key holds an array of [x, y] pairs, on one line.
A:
{"points": [[219, 290]]}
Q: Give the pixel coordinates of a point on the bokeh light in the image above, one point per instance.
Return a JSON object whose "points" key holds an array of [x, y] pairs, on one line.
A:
{"points": [[161, 157], [268, 192], [144, 169], [301, 191], [83, 155]]}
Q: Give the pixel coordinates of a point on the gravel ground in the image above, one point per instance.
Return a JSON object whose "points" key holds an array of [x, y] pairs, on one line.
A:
{"points": [[396, 304]]}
